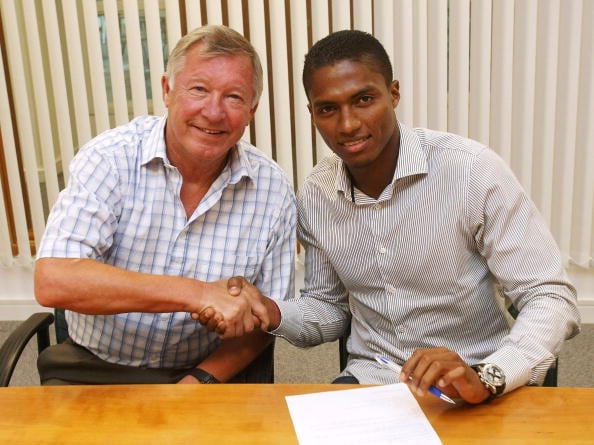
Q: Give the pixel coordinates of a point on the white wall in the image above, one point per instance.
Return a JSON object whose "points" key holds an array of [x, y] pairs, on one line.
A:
{"points": [[17, 302]]}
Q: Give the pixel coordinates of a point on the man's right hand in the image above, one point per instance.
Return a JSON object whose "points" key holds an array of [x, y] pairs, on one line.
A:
{"points": [[232, 308], [265, 313]]}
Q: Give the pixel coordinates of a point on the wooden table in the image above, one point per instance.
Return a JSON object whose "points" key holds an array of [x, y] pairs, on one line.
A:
{"points": [[258, 414]]}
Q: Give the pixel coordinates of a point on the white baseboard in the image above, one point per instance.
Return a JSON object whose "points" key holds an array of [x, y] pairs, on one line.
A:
{"points": [[19, 310], [17, 301]]}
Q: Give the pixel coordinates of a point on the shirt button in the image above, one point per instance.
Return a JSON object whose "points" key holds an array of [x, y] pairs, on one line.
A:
{"points": [[391, 289], [382, 250], [377, 206]]}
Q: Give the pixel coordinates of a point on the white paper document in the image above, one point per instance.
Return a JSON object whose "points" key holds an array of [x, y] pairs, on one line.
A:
{"points": [[374, 415]]}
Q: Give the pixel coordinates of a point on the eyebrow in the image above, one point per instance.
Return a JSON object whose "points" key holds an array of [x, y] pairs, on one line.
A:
{"points": [[365, 90]]}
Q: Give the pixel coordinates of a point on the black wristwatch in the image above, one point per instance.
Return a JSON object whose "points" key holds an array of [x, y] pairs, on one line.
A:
{"points": [[202, 376], [492, 377]]}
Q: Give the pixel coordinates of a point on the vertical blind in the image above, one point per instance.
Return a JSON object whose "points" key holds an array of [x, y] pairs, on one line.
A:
{"points": [[516, 75]]}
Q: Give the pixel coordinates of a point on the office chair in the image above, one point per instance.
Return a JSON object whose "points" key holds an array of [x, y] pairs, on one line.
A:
{"points": [[261, 370], [11, 350], [550, 378]]}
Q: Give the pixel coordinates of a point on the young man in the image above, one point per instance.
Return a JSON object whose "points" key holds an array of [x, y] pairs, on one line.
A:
{"points": [[407, 234], [157, 215]]}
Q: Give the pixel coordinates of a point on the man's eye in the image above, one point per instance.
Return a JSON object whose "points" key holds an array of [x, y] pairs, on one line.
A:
{"points": [[365, 99], [325, 109]]}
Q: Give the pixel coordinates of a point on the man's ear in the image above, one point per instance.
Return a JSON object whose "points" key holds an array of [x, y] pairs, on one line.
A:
{"points": [[309, 108], [165, 89], [252, 113], [395, 92]]}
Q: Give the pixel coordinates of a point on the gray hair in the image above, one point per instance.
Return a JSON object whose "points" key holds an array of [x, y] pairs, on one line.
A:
{"points": [[220, 41]]}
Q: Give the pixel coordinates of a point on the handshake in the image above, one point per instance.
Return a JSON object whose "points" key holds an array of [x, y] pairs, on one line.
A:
{"points": [[235, 307]]}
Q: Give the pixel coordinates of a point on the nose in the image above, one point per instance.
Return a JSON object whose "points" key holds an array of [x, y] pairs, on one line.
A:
{"points": [[212, 108], [348, 122]]}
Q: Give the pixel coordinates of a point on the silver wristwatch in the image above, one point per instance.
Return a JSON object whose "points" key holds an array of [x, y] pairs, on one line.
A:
{"points": [[492, 377]]}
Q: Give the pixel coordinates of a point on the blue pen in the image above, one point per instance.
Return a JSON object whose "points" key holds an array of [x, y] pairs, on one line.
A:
{"points": [[396, 368]]}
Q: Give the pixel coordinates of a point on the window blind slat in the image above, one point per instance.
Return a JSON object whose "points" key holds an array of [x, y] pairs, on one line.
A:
{"points": [[173, 24], [459, 46], [320, 27], [116, 62], [545, 105], [303, 131], [78, 82], [565, 137], [341, 15], [420, 64], [404, 59], [41, 111], [480, 66], [501, 77], [193, 14], [96, 69], [258, 37], [280, 90], [363, 15], [58, 90], [214, 12], [156, 65], [135, 58], [437, 55], [523, 72]]}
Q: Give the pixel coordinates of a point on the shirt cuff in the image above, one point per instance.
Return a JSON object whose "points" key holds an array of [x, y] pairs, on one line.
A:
{"points": [[515, 367], [291, 320]]}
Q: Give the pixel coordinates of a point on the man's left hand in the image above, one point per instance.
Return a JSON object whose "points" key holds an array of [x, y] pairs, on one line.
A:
{"points": [[446, 370]]}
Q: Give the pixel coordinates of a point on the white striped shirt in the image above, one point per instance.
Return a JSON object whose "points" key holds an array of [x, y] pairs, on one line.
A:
{"points": [[416, 268], [122, 207]]}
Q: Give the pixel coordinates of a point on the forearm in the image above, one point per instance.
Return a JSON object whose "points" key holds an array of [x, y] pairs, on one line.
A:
{"points": [[90, 287], [234, 354]]}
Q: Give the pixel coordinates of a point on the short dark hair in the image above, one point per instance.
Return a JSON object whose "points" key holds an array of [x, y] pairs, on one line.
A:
{"points": [[346, 45]]}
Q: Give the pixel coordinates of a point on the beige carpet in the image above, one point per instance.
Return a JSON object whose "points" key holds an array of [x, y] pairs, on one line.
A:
{"points": [[320, 364]]}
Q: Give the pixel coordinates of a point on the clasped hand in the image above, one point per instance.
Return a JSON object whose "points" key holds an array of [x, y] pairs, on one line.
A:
{"points": [[239, 310]]}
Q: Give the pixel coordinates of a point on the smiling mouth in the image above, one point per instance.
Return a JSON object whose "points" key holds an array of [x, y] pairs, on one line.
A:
{"points": [[355, 142], [209, 131]]}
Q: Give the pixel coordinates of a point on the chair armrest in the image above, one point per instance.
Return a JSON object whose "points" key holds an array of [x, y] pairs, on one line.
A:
{"points": [[11, 350]]}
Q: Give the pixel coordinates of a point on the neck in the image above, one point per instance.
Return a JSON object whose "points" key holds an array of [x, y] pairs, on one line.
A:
{"points": [[372, 179]]}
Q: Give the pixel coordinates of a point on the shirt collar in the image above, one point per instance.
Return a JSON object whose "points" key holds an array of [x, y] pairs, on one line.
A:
{"points": [[239, 165], [153, 146]]}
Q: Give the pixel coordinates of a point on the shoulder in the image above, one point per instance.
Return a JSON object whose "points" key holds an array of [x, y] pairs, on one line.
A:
{"points": [[112, 155], [461, 154], [324, 174], [113, 141], [442, 142]]}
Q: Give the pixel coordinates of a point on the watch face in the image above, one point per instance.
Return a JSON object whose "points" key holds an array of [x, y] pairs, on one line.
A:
{"points": [[493, 375]]}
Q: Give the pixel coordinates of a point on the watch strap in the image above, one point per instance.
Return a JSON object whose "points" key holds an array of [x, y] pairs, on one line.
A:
{"points": [[494, 391], [202, 376]]}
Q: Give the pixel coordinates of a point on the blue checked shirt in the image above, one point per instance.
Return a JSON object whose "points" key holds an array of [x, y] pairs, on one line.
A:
{"points": [[122, 207]]}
